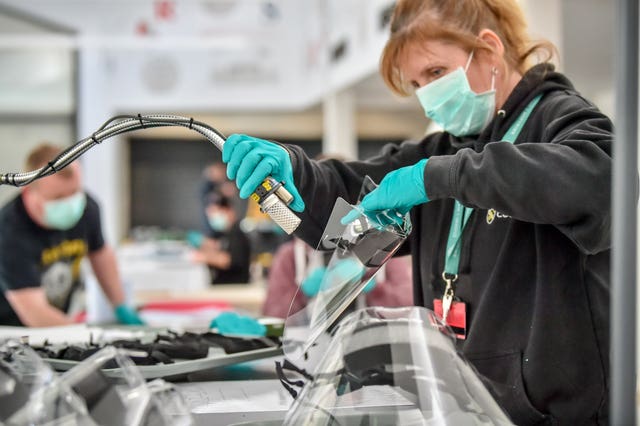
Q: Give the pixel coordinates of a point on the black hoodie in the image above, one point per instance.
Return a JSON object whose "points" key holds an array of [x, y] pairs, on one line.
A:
{"points": [[535, 252]]}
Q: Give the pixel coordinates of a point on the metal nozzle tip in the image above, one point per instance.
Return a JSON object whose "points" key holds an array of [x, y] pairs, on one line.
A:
{"points": [[280, 213]]}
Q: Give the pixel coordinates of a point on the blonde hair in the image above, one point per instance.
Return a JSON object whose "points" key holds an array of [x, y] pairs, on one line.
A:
{"points": [[459, 22]]}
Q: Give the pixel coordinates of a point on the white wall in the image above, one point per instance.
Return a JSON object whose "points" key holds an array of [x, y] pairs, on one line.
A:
{"points": [[18, 135], [36, 98]]}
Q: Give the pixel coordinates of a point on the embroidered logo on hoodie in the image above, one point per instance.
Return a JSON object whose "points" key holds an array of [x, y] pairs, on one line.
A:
{"points": [[492, 215]]}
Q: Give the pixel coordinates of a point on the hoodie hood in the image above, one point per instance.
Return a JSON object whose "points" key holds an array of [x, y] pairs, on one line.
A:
{"points": [[541, 78]]}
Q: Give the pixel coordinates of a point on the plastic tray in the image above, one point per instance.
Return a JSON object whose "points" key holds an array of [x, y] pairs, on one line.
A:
{"points": [[180, 367]]}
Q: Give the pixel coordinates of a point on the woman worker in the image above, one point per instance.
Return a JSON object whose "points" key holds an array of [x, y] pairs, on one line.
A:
{"points": [[510, 204]]}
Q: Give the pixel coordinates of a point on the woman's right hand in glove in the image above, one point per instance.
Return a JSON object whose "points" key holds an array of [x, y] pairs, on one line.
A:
{"points": [[250, 160]]}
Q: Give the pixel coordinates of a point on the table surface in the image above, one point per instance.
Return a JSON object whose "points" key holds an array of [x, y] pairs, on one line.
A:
{"points": [[247, 297], [249, 391]]}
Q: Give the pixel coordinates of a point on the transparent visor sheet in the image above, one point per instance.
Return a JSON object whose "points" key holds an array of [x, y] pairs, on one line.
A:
{"points": [[31, 393], [394, 366], [360, 248]]}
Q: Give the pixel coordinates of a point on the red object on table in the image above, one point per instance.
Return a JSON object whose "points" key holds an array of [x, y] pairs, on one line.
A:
{"points": [[185, 305]]}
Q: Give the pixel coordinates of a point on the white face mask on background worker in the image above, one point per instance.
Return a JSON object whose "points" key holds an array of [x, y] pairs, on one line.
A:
{"points": [[451, 103]]}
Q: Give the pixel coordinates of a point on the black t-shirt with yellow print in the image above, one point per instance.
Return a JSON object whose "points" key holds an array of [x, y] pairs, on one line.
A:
{"points": [[32, 256]]}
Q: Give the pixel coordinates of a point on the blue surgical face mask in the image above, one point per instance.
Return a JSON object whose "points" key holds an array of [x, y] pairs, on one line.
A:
{"points": [[218, 221], [450, 103], [65, 213]]}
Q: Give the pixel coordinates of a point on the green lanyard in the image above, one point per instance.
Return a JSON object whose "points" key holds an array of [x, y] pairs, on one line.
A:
{"points": [[461, 216]]}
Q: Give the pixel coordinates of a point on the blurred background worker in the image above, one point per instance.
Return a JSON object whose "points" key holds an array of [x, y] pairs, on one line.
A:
{"points": [[215, 180], [225, 248], [45, 232], [298, 265]]}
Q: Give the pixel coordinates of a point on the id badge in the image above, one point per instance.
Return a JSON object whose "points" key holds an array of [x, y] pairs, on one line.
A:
{"points": [[457, 317]]}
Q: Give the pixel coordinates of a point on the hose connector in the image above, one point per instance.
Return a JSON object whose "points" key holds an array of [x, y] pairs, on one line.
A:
{"points": [[273, 199]]}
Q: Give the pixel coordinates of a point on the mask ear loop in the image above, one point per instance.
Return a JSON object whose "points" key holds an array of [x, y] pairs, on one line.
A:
{"points": [[494, 73], [466, 67]]}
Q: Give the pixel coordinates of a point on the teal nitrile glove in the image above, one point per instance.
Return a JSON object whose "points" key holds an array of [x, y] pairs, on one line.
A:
{"points": [[125, 314], [370, 285], [195, 238], [342, 272], [345, 271], [233, 323], [250, 160], [399, 191], [311, 284]]}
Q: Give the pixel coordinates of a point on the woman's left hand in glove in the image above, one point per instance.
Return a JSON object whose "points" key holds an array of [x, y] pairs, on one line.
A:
{"points": [[399, 191]]}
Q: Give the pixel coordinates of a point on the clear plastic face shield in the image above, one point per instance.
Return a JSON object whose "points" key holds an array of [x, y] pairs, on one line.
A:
{"points": [[360, 248], [394, 366], [31, 393]]}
